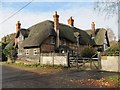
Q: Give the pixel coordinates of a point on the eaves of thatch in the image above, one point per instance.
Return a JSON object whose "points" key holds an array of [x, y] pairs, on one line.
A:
{"points": [[41, 31]]}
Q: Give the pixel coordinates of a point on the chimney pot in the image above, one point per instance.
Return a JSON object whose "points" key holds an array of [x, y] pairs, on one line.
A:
{"points": [[18, 26], [55, 12], [71, 21], [93, 29]]}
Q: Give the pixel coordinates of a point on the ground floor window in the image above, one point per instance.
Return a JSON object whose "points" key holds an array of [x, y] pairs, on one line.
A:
{"points": [[35, 51], [27, 52], [20, 52]]}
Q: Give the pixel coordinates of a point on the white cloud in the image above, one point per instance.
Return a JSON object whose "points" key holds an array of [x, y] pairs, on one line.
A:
{"points": [[82, 18]]}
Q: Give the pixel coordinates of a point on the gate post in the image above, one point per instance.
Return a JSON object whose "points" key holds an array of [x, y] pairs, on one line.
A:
{"points": [[99, 61], [77, 61], [53, 55], [68, 60]]}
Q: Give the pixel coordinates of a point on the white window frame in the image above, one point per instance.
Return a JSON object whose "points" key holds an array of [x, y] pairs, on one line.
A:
{"points": [[35, 51], [19, 52], [27, 51]]}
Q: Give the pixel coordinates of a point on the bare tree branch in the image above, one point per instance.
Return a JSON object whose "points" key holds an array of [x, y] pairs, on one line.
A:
{"points": [[109, 7]]}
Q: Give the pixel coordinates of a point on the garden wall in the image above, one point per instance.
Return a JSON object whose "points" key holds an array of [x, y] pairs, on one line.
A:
{"points": [[110, 63], [54, 59]]}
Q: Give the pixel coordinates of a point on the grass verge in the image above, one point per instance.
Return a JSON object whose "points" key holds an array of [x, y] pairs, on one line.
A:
{"points": [[114, 79], [35, 65]]}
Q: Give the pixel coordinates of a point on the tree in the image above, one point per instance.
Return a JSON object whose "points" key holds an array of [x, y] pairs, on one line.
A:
{"points": [[119, 44], [111, 34], [11, 53], [109, 7], [3, 45]]}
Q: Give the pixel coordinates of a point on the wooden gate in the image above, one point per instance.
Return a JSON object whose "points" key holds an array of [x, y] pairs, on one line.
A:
{"points": [[75, 61]]}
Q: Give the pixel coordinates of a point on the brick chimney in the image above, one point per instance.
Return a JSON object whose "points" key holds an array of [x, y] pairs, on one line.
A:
{"points": [[56, 27], [56, 21], [93, 29], [18, 26], [71, 21]]}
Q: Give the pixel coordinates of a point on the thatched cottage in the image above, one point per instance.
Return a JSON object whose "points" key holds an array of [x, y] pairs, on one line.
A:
{"points": [[52, 36]]}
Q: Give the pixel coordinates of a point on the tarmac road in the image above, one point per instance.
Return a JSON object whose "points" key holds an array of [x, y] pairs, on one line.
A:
{"points": [[16, 78]]}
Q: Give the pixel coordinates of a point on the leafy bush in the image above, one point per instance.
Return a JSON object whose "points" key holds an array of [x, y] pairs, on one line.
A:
{"points": [[2, 46], [11, 53], [113, 51], [88, 52]]}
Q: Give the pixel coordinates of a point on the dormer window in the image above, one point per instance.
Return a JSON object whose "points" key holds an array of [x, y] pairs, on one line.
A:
{"points": [[52, 40]]}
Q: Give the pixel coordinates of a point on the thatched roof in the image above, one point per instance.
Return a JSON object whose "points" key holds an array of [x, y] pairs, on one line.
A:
{"points": [[84, 39], [41, 31], [100, 35], [38, 33]]}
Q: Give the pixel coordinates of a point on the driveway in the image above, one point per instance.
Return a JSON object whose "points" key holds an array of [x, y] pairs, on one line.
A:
{"points": [[65, 78]]}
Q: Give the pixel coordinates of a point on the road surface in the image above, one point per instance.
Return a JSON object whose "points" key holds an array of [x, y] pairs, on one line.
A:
{"points": [[17, 78]]}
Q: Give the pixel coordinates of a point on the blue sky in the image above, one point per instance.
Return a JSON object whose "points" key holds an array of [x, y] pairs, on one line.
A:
{"points": [[46, 6], [35, 12]]}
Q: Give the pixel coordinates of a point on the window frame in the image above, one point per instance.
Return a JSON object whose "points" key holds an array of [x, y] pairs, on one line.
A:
{"points": [[27, 51], [20, 52], [34, 51]]}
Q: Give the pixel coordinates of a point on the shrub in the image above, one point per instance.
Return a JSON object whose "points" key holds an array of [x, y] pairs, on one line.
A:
{"points": [[88, 52], [113, 51], [11, 53], [2, 46]]}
